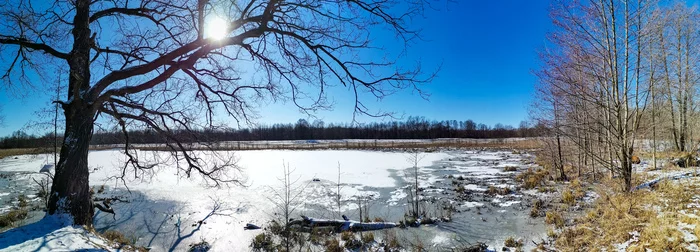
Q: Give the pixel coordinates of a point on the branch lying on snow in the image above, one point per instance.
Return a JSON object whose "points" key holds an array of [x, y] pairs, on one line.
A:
{"points": [[106, 205]]}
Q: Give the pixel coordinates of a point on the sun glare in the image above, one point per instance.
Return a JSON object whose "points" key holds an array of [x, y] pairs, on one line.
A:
{"points": [[217, 28]]}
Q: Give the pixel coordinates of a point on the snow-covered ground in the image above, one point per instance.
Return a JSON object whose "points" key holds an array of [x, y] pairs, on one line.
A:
{"points": [[167, 212], [51, 234]]}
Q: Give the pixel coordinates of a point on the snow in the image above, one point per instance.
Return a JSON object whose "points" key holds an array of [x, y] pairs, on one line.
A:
{"points": [[164, 210], [441, 239], [51, 234], [473, 187], [472, 204], [509, 203], [622, 247], [396, 196]]}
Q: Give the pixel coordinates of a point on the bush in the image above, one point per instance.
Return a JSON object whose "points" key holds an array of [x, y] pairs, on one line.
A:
{"points": [[531, 178], [276, 228], [534, 212], [568, 197], [368, 238], [513, 243], [123, 242], [333, 245], [202, 246], [115, 236], [497, 190], [12, 216], [347, 235], [510, 169], [554, 218], [262, 242], [459, 189], [22, 200]]}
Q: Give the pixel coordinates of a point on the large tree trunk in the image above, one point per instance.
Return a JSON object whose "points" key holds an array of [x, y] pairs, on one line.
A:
{"points": [[70, 192]]}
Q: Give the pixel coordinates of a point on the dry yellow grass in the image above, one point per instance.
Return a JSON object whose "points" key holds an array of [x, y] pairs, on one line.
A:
{"points": [[532, 178], [655, 215], [15, 152]]}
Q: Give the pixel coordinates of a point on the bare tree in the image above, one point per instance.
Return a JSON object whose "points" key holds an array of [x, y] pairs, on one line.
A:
{"points": [[159, 65], [596, 77], [414, 157], [287, 198]]}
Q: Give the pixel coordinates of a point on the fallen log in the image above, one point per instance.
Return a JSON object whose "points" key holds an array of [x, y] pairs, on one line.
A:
{"points": [[308, 224], [652, 183]]}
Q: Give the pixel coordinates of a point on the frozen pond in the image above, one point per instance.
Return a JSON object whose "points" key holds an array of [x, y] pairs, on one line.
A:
{"points": [[166, 212]]}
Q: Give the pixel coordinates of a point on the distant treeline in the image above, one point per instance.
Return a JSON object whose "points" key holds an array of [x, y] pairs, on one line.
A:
{"points": [[412, 128]]}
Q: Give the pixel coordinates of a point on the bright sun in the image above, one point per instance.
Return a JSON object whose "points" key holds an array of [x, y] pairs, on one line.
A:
{"points": [[217, 28]]}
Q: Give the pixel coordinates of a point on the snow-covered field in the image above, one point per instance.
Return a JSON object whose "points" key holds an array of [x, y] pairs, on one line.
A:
{"points": [[168, 213]]}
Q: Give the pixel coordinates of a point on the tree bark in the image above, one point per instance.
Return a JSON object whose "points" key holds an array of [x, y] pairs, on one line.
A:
{"points": [[70, 192]]}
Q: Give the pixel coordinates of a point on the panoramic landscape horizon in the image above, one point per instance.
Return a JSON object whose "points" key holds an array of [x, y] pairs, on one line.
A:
{"points": [[349, 125]]}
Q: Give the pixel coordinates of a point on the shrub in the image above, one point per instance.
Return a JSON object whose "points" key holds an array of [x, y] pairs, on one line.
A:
{"points": [[276, 228], [531, 178], [333, 245], [459, 189], [510, 169], [202, 246], [492, 190], [368, 238], [534, 212], [347, 235], [124, 243], [513, 243], [554, 218], [12, 216], [115, 236], [568, 197], [22, 200], [262, 242], [353, 244], [378, 219]]}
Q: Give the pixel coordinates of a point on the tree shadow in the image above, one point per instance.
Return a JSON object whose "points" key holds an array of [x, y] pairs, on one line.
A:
{"points": [[157, 224], [162, 225]]}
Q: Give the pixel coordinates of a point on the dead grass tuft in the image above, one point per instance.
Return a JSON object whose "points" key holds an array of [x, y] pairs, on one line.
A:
{"points": [[510, 169], [492, 190], [554, 218], [12, 216], [532, 178], [513, 243]]}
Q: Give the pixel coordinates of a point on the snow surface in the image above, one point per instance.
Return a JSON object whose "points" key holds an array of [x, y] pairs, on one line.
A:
{"points": [[164, 210], [167, 212], [51, 234]]}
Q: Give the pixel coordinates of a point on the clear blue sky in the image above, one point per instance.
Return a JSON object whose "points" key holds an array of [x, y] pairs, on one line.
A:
{"points": [[487, 49]]}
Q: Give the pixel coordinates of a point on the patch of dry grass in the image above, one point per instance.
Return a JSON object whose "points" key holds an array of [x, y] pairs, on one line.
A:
{"points": [[22, 151], [532, 178], [654, 214], [554, 218], [513, 243], [121, 241], [12, 216], [510, 169], [493, 190]]}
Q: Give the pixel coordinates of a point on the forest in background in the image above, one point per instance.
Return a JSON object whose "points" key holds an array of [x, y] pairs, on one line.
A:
{"points": [[411, 128]]}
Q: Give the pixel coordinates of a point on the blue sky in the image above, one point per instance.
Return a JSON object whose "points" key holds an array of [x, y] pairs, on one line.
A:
{"points": [[487, 49]]}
